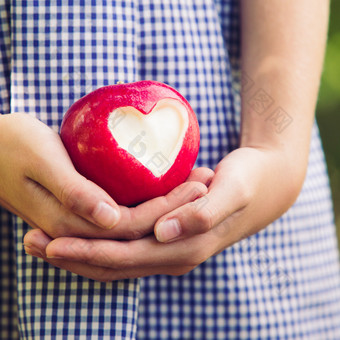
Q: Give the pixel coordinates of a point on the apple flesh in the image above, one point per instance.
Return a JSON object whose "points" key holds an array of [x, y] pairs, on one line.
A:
{"points": [[137, 141]]}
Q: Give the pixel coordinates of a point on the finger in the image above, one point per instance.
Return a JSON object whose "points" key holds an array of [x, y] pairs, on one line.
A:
{"points": [[39, 208], [139, 221], [105, 274], [135, 223], [36, 243], [57, 174], [202, 174], [36, 239], [224, 198], [146, 252]]}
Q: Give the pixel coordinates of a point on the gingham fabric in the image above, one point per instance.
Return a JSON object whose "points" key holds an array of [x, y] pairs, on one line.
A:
{"points": [[283, 283]]}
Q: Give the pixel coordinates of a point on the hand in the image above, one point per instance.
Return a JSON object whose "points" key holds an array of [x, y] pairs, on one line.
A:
{"points": [[39, 183], [254, 184], [251, 188]]}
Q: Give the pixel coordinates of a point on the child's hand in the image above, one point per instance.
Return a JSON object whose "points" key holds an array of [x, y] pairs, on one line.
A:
{"points": [[254, 184], [250, 189], [39, 183]]}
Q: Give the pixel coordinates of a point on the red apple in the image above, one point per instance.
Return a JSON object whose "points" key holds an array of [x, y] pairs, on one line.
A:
{"points": [[137, 141]]}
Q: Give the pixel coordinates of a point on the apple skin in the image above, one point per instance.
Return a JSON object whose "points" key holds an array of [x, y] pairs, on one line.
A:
{"points": [[97, 156]]}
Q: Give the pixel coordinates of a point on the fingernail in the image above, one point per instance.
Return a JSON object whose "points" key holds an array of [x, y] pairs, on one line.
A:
{"points": [[168, 230], [30, 249], [55, 257], [105, 215]]}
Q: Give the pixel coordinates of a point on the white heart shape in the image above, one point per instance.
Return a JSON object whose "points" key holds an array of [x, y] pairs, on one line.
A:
{"points": [[154, 139]]}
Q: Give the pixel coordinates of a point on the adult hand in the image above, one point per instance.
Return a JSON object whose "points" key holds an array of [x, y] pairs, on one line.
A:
{"points": [[251, 188], [39, 183]]}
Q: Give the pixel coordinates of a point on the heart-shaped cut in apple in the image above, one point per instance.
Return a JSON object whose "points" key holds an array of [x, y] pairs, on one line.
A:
{"points": [[137, 141], [155, 136]]}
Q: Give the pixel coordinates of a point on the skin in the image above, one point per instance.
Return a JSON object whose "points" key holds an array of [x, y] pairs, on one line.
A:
{"points": [[68, 204], [283, 47]]}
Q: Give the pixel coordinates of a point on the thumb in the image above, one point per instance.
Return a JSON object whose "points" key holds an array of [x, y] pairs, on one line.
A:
{"points": [[222, 200], [57, 175]]}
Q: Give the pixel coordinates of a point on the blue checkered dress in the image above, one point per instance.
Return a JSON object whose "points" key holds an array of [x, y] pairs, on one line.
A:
{"points": [[282, 283]]}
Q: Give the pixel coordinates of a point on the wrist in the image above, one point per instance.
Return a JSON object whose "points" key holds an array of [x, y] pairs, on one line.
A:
{"points": [[283, 167]]}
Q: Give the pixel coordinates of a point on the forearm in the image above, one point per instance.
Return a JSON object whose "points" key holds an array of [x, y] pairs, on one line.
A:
{"points": [[283, 45]]}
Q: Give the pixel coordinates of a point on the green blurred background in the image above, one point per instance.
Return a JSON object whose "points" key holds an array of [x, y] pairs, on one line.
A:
{"points": [[328, 109]]}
